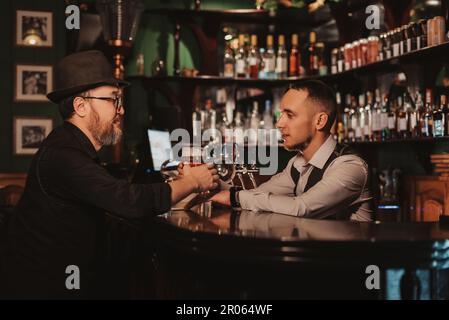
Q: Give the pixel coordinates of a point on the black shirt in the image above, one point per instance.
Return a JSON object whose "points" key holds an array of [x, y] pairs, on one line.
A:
{"points": [[59, 220]]}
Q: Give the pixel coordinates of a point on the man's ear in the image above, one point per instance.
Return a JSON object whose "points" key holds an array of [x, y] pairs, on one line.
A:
{"points": [[322, 119], [79, 107]]}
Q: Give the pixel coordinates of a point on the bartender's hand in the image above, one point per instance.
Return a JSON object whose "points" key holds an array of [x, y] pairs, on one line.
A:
{"points": [[205, 177], [222, 197]]}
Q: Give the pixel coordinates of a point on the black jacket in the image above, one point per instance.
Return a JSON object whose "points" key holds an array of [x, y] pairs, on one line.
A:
{"points": [[59, 220]]}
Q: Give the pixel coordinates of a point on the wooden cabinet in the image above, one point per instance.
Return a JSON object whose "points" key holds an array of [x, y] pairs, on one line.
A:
{"points": [[427, 198]]}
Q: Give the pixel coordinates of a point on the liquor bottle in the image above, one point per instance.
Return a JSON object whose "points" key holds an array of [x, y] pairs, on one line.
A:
{"points": [[401, 115], [392, 127], [268, 60], [427, 129], [267, 116], [281, 58], [295, 58], [228, 62], [367, 126], [225, 129], [313, 56], [253, 58], [352, 120], [360, 115], [338, 104], [196, 124], [384, 118], [438, 119], [382, 46], [411, 39], [340, 133], [211, 121], [420, 115], [445, 110], [340, 60], [334, 59], [377, 118], [241, 68], [396, 40], [337, 116], [239, 129], [412, 116], [253, 125], [267, 122], [422, 32], [322, 66], [346, 117], [403, 41], [388, 48]]}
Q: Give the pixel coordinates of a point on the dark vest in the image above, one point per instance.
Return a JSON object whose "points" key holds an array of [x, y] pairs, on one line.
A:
{"points": [[317, 174]]}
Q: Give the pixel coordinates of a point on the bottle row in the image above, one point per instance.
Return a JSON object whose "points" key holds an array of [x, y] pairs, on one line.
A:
{"points": [[245, 59], [372, 116], [402, 40], [402, 115], [243, 128]]}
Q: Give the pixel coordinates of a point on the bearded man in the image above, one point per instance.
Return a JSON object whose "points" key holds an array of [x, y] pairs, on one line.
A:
{"points": [[58, 225]]}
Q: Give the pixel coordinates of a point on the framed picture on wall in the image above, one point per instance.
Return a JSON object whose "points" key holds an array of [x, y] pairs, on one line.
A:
{"points": [[29, 132], [34, 28], [33, 82]]}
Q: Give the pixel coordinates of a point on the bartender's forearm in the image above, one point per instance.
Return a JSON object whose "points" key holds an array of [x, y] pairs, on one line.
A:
{"points": [[265, 201], [181, 188]]}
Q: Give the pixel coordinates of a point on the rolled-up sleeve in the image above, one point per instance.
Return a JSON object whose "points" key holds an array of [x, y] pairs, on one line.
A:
{"points": [[341, 184]]}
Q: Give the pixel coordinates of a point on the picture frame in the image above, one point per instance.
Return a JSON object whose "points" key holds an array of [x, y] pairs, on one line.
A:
{"points": [[29, 132], [33, 82], [34, 28]]}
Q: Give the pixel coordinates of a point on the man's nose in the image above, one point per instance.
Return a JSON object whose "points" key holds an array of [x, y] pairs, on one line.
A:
{"points": [[279, 124], [121, 111]]}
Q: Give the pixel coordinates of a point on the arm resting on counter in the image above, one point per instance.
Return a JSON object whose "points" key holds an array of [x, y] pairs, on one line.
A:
{"points": [[341, 185], [87, 182]]}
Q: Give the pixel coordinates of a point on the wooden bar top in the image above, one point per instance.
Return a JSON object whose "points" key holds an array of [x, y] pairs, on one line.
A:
{"points": [[266, 236]]}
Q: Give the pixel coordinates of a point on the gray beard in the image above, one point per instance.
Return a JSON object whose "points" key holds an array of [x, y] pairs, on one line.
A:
{"points": [[105, 136]]}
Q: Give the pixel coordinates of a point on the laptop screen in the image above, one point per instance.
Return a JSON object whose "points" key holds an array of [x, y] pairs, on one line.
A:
{"points": [[160, 146]]}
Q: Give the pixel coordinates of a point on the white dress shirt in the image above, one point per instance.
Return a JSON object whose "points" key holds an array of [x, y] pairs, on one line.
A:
{"points": [[344, 184]]}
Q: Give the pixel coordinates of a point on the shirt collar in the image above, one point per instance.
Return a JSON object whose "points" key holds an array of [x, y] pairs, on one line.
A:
{"points": [[84, 141], [323, 153]]}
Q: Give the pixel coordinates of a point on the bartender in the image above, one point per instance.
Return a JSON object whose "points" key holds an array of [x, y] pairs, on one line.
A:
{"points": [[59, 221], [324, 180]]}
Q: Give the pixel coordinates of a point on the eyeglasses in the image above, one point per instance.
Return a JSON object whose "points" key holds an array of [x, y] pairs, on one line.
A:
{"points": [[118, 101]]}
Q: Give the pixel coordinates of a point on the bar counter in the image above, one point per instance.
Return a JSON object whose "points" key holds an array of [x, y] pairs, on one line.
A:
{"points": [[239, 255]]}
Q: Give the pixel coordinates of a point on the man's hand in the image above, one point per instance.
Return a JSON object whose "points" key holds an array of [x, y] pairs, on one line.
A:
{"points": [[222, 197], [205, 176]]}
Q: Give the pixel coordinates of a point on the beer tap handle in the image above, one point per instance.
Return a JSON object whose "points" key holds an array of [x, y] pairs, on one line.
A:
{"points": [[251, 176], [239, 175]]}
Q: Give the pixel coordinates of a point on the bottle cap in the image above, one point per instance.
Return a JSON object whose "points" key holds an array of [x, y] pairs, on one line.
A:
{"points": [[281, 40], [312, 37], [294, 39], [253, 40]]}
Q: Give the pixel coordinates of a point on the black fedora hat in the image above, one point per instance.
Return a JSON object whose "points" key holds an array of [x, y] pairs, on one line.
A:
{"points": [[82, 71]]}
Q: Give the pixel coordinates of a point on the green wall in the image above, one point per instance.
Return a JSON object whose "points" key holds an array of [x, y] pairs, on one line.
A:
{"points": [[10, 55], [155, 36]]}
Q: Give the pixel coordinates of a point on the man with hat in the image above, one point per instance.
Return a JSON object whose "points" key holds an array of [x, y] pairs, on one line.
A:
{"points": [[58, 223]]}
